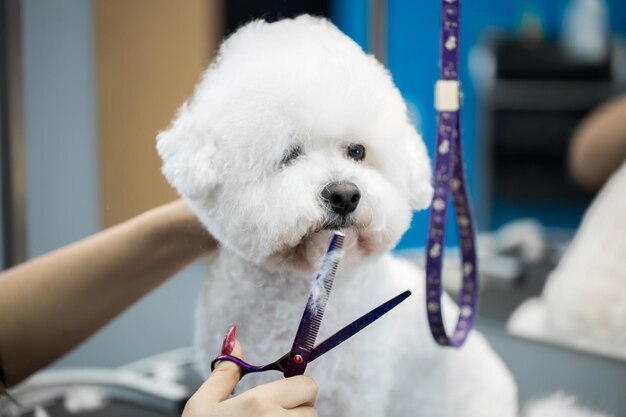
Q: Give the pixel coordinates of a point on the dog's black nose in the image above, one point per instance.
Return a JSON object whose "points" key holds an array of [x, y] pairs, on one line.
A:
{"points": [[341, 197]]}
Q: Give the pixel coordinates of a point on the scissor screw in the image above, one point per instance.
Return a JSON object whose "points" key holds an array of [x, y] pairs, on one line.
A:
{"points": [[297, 359]]}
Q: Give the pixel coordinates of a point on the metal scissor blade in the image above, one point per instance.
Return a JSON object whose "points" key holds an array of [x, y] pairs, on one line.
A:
{"points": [[314, 311], [356, 326]]}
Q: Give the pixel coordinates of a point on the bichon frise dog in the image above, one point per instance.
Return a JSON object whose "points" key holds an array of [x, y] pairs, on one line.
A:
{"points": [[583, 304], [293, 132]]}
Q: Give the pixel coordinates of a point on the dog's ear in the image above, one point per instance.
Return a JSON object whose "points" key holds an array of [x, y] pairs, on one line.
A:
{"points": [[188, 152], [420, 185]]}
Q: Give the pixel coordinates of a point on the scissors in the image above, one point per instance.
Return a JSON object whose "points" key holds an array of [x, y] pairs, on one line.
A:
{"points": [[303, 350]]}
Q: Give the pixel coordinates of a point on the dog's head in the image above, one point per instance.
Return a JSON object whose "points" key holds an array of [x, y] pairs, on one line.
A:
{"points": [[292, 132]]}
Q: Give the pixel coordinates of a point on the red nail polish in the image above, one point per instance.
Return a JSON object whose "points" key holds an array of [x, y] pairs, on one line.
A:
{"points": [[229, 340]]}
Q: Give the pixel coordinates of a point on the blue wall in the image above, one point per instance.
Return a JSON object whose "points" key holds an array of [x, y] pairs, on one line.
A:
{"points": [[413, 49]]}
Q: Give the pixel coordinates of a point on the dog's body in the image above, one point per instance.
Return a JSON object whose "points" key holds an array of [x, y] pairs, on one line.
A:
{"points": [[294, 131], [391, 369]]}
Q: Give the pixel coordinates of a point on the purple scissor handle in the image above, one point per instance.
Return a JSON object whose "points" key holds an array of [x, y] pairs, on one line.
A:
{"points": [[328, 344], [303, 350]]}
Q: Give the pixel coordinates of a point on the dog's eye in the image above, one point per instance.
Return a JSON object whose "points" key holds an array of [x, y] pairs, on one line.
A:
{"points": [[356, 151], [290, 155]]}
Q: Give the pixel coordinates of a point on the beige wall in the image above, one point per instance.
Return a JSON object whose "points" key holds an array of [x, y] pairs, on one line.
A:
{"points": [[149, 56]]}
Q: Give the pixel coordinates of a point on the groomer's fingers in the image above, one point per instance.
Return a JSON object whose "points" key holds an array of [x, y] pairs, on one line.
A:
{"points": [[222, 380], [301, 412], [289, 393]]}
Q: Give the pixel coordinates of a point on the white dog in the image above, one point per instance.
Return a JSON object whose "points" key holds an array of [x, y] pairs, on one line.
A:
{"points": [[293, 132], [583, 304]]}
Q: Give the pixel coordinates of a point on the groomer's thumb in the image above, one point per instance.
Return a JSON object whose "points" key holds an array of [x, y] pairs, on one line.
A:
{"points": [[222, 380]]}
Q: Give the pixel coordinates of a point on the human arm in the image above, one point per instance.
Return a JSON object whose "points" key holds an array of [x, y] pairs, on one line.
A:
{"points": [[598, 147], [52, 303]]}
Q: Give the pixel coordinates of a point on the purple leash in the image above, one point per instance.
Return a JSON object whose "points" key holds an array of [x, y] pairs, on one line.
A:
{"points": [[450, 178]]}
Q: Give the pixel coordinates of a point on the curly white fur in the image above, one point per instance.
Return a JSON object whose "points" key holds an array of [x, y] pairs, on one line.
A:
{"points": [[300, 83]]}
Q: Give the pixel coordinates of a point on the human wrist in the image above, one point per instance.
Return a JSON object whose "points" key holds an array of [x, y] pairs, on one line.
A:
{"points": [[174, 224]]}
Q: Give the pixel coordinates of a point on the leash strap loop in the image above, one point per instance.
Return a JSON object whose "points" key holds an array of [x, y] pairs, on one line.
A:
{"points": [[450, 179]]}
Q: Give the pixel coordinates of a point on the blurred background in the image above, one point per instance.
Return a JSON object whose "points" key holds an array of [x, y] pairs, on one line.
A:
{"points": [[86, 85]]}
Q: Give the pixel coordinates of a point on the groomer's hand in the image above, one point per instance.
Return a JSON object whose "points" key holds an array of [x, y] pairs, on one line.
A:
{"points": [[291, 397]]}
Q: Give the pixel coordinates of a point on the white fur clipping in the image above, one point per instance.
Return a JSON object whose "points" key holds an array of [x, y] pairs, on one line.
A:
{"points": [[318, 289], [85, 399], [559, 405], [40, 412]]}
